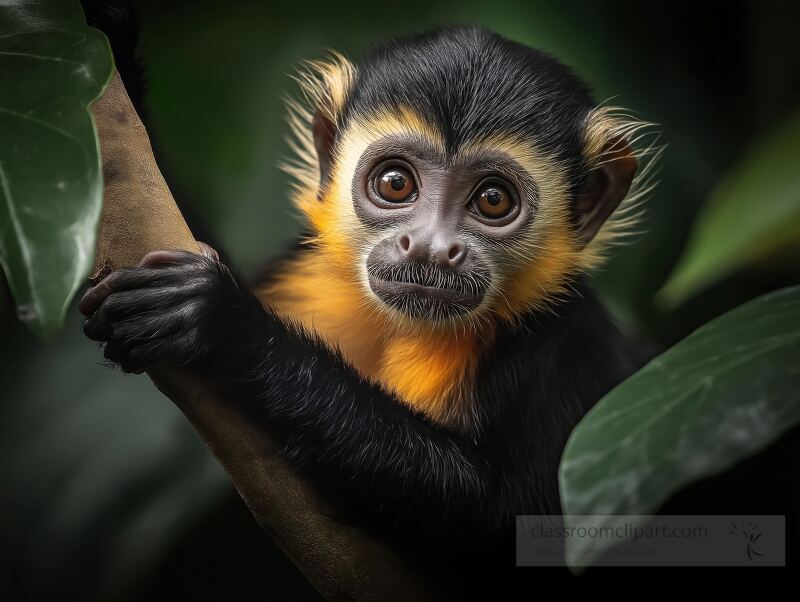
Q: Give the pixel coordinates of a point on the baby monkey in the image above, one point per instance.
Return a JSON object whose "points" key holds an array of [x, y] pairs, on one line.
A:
{"points": [[426, 350]]}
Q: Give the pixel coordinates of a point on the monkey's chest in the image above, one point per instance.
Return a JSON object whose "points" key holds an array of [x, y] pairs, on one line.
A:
{"points": [[428, 371]]}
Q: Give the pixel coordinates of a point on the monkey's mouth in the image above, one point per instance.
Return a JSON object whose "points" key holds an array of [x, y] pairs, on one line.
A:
{"points": [[425, 290]]}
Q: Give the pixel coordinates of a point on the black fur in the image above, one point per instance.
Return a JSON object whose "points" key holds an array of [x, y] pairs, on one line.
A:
{"points": [[398, 467]]}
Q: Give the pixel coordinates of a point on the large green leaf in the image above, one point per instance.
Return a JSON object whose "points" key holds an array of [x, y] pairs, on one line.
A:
{"points": [[52, 66], [753, 211], [723, 393]]}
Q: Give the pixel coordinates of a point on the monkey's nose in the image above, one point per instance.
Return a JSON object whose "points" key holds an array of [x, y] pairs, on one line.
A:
{"points": [[410, 247], [449, 253]]}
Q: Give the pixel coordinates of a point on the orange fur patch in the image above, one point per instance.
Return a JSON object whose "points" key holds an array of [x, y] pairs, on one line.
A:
{"points": [[534, 284], [425, 369]]}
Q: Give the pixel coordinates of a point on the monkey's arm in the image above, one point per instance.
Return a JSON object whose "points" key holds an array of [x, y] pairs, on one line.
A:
{"points": [[179, 307]]}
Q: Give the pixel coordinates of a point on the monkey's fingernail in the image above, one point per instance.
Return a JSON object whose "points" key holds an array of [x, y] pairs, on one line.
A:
{"points": [[93, 298], [208, 251], [154, 258]]}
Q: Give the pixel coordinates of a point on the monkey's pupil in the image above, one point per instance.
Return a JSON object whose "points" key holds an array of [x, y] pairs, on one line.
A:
{"points": [[494, 198], [397, 183]]}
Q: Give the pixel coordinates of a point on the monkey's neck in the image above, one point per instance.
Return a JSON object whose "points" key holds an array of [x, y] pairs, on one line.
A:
{"points": [[431, 372]]}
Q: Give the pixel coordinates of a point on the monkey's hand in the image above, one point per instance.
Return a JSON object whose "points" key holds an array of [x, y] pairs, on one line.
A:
{"points": [[175, 307]]}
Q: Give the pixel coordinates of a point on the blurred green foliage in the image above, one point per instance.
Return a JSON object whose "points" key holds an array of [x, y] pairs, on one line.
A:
{"points": [[753, 212], [106, 491]]}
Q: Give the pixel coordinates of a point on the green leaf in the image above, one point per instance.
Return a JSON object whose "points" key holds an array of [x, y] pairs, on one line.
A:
{"points": [[723, 393], [753, 211], [52, 66]]}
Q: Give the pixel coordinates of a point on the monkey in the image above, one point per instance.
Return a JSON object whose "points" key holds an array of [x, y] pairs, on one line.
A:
{"points": [[424, 350]]}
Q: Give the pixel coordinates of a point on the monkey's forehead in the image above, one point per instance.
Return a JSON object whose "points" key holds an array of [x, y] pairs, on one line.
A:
{"points": [[471, 84], [406, 134]]}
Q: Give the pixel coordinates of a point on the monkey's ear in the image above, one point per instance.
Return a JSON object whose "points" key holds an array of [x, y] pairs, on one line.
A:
{"points": [[327, 84], [604, 187], [323, 130]]}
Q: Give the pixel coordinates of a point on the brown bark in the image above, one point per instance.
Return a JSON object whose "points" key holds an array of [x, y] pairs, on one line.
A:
{"points": [[139, 214]]}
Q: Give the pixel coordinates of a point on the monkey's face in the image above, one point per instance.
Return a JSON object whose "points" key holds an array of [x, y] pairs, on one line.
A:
{"points": [[442, 236], [437, 226], [456, 178]]}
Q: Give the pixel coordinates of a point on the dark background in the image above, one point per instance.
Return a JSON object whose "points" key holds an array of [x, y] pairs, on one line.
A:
{"points": [[105, 491]]}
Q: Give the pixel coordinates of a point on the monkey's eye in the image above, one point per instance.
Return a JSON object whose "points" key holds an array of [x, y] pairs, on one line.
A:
{"points": [[493, 202], [395, 185]]}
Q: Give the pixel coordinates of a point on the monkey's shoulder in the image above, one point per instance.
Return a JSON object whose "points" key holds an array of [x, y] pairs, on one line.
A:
{"points": [[570, 353]]}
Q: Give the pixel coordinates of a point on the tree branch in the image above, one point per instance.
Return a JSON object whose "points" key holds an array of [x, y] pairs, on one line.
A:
{"points": [[139, 214]]}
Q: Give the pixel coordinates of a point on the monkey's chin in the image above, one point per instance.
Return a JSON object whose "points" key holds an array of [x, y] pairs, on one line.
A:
{"points": [[424, 302]]}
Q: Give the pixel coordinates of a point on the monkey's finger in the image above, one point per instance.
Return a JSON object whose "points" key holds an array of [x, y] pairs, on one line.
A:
{"points": [[127, 279], [140, 314], [97, 329], [98, 326], [139, 358], [94, 296], [138, 301], [167, 257], [208, 251]]}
